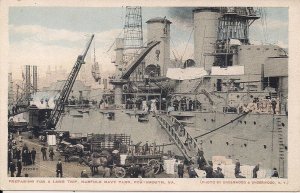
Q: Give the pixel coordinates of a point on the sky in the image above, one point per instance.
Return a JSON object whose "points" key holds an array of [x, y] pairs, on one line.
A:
{"points": [[55, 36]]}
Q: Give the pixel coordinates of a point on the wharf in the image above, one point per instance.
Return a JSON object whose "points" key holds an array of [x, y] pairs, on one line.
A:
{"points": [[47, 168]]}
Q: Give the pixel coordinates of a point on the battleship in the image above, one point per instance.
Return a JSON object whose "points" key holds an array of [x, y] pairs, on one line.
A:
{"points": [[229, 102]]}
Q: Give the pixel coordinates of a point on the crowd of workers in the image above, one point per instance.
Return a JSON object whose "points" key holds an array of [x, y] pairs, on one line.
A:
{"points": [[19, 155]]}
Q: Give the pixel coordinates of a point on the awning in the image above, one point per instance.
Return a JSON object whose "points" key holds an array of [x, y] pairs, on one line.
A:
{"points": [[185, 73], [230, 70]]}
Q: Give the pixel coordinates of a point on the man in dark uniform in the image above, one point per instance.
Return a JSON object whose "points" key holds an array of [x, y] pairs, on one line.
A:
{"points": [[209, 170], [33, 153], [18, 154], [136, 171], [273, 103], [12, 169], [147, 147], [275, 173], [59, 170], [19, 167], [237, 170], [180, 170], [44, 152], [201, 161], [192, 172], [142, 171], [131, 171], [218, 173]]}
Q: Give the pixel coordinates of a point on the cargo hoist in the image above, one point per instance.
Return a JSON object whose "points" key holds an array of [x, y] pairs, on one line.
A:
{"points": [[60, 103]]}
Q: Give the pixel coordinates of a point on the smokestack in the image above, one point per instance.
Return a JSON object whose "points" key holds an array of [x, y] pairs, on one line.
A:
{"points": [[34, 78], [27, 81], [205, 35], [159, 30]]}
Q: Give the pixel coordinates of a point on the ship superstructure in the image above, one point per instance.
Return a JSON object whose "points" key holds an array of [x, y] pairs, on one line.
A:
{"points": [[232, 98]]}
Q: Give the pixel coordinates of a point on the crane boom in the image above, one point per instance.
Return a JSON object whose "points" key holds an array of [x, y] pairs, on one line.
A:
{"points": [[67, 88]]}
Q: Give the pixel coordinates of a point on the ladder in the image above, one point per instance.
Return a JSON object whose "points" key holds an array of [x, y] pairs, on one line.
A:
{"points": [[186, 144], [207, 94], [281, 147], [196, 85]]}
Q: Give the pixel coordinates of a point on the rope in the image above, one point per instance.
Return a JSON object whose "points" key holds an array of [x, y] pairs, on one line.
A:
{"points": [[187, 43], [222, 125]]}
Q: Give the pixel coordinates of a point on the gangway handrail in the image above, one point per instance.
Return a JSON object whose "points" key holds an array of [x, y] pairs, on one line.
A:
{"points": [[185, 131], [176, 139]]}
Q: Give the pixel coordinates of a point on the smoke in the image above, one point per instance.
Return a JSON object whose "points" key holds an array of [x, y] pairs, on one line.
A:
{"points": [[183, 15]]}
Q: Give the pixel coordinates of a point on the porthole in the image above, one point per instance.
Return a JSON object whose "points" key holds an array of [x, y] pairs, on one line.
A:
{"points": [[237, 96], [282, 124], [227, 143], [210, 141], [265, 146], [204, 119], [254, 123], [251, 96], [245, 122], [241, 122], [245, 144], [212, 120]]}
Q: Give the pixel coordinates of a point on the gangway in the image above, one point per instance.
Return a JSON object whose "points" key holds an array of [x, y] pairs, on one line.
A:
{"points": [[186, 144]]}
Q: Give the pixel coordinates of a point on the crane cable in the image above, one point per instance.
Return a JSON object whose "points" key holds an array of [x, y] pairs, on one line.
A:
{"points": [[244, 114], [187, 44]]}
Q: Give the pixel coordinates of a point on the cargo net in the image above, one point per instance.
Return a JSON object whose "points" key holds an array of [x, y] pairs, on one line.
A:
{"points": [[101, 142]]}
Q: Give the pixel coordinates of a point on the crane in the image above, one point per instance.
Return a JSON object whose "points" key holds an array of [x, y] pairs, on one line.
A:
{"points": [[53, 119]]}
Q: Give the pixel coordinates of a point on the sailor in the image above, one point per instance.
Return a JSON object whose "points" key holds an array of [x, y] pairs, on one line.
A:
{"points": [[19, 168], [131, 171], [25, 157], [201, 160], [209, 170], [275, 173], [192, 172], [44, 152], [29, 161], [59, 169], [18, 154], [273, 103], [176, 104], [12, 169], [180, 169], [147, 148], [51, 154], [142, 171], [237, 170], [218, 173], [33, 153], [191, 108]]}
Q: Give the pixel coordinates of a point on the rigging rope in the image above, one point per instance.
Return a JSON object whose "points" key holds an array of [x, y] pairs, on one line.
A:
{"points": [[187, 44], [222, 125]]}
